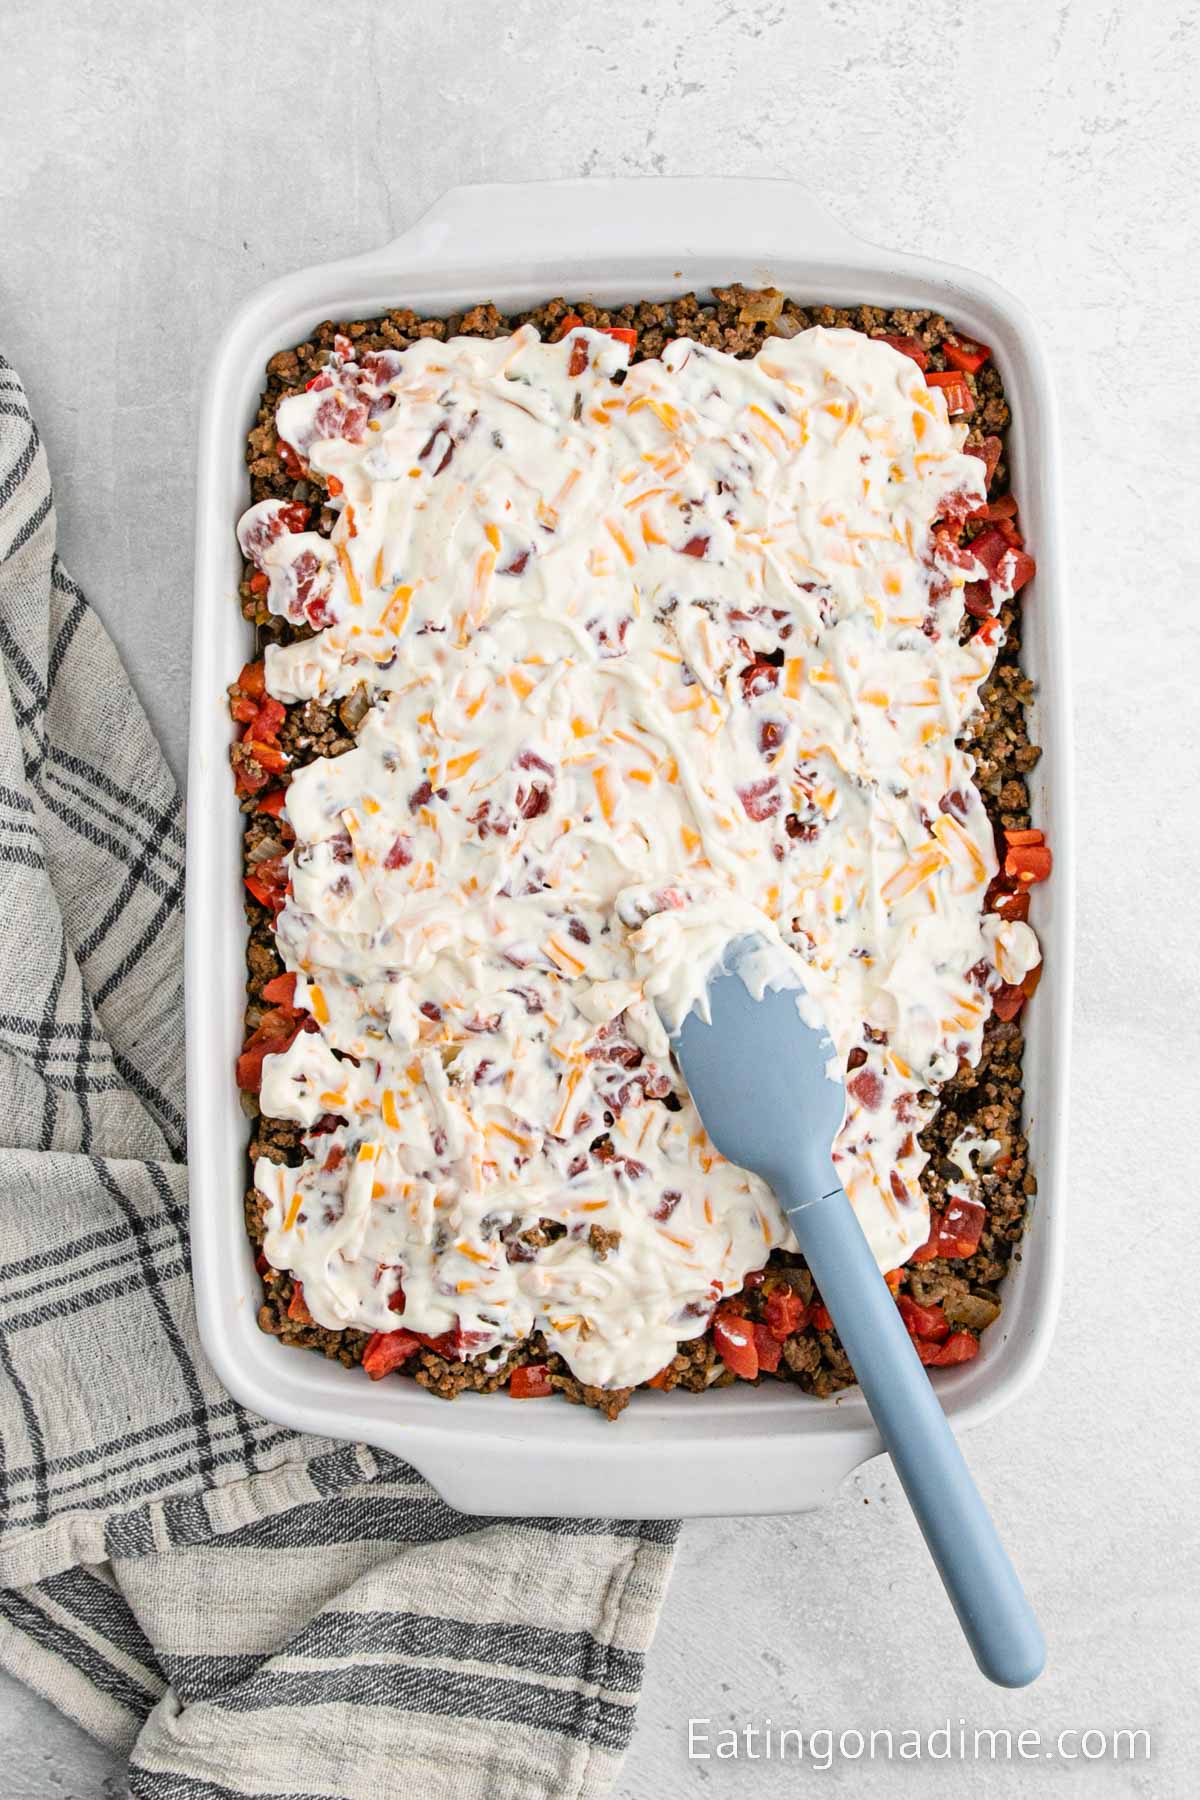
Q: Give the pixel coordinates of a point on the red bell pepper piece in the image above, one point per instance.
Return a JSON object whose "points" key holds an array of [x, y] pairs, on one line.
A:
{"points": [[960, 402], [624, 333], [281, 990], [922, 1321], [530, 1382], [907, 346], [273, 803], [386, 1350], [1030, 836], [252, 680], [734, 1340], [767, 1348], [965, 354], [786, 1313], [660, 1380]]}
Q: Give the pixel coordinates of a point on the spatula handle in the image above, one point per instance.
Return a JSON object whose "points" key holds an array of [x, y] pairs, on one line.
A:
{"points": [[980, 1580]]}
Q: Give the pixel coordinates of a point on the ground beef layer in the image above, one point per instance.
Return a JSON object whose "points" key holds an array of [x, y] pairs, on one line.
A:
{"points": [[987, 1097]]}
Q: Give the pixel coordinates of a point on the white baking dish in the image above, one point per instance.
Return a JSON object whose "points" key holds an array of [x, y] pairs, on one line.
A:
{"points": [[739, 1450]]}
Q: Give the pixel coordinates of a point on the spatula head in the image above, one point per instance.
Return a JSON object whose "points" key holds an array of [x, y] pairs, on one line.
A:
{"points": [[767, 1085]]}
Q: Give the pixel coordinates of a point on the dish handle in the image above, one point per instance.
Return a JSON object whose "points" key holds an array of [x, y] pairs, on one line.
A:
{"points": [[655, 1479], [655, 217]]}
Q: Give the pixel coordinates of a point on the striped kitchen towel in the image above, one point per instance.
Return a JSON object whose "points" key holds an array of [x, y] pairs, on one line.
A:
{"points": [[246, 1611]]}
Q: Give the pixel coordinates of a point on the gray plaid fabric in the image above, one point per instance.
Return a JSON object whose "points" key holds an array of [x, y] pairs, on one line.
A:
{"points": [[248, 1612]]}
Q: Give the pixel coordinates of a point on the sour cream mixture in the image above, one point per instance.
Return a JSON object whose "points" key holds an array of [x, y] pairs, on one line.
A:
{"points": [[654, 658]]}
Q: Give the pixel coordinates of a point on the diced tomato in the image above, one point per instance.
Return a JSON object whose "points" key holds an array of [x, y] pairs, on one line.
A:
{"points": [[1024, 570], [259, 582], [1007, 1001], [334, 486], [753, 1280], [252, 680], [1003, 561], [271, 715], [294, 465], [568, 323], [1012, 906], [273, 803], [259, 889], [995, 511], [1024, 837], [660, 1380], [961, 1228], [821, 1318], [386, 1350], [250, 1062], [267, 756], [734, 1340], [867, 1089], [249, 781], [298, 1306], [243, 709], [959, 1347], [767, 1348], [1003, 508], [929, 1249], [275, 1033], [965, 354], [922, 1321], [960, 402], [989, 451], [927, 1350], [786, 1313], [281, 989], [530, 1382], [1028, 863], [579, 358], [907, 346], [625, 334]]}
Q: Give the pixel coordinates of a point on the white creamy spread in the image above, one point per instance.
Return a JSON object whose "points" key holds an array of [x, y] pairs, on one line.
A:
{"points": [[652, 663]]}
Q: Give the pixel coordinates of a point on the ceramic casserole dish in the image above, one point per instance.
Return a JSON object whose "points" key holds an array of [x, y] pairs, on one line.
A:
{"points": [[732, 1450]]}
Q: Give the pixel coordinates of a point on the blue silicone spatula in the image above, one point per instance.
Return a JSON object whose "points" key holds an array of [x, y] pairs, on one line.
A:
{"points": [[762, 1082]]}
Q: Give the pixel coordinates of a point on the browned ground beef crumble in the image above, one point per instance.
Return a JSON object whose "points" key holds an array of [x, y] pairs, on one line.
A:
{"points": [[988, 1097]]}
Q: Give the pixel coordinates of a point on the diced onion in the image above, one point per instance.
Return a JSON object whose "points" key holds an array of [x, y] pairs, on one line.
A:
{"points": [[763, 307]]}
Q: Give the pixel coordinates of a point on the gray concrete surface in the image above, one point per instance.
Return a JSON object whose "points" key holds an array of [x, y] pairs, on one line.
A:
{"points": [[153, 173]]}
